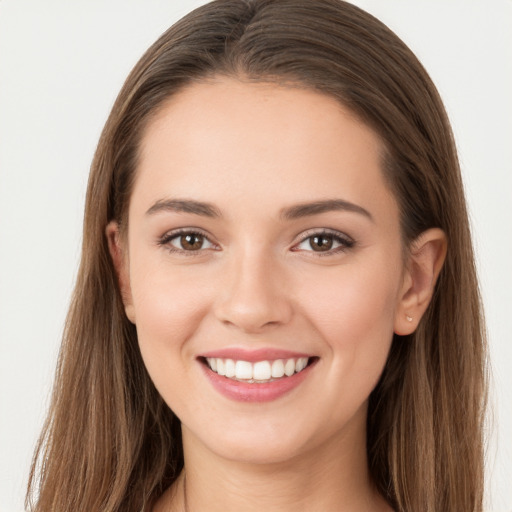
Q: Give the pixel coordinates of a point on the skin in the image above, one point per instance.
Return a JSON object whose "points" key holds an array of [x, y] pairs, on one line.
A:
{"points": [[252, 150]]}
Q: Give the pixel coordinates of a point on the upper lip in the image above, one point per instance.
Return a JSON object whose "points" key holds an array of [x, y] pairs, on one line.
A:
{"points": [[252, 356]]}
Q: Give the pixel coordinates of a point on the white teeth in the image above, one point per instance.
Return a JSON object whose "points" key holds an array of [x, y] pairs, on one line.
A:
{"points": [[243, 370], [221, 368], [230, 368], [260, 371], [277, 369], [289, 367], [301, 364]]}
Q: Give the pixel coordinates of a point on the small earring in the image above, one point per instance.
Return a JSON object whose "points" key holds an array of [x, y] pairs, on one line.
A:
{"points": [[408, 318]]}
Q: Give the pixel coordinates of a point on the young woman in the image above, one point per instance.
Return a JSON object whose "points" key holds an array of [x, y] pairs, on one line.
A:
{"points": [[276, 307]]}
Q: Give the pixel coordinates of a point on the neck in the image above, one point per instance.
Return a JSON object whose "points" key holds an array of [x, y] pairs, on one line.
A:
{"points": [[333, 476]]}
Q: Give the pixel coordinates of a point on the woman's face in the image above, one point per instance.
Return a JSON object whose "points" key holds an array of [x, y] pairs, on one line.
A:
{"points": [[261, 231]]}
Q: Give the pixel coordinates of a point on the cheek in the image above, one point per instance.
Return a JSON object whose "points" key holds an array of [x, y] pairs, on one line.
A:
{"points": [[168, 307], [355, 296], [353, 311]]}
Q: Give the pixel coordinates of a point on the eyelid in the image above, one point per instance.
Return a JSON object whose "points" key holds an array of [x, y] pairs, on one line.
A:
{"points": [[165, 240], [345, 240]]}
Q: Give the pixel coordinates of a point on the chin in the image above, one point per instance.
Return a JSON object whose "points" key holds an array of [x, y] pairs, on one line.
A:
{"points": [[259, 450], [270, 440]]}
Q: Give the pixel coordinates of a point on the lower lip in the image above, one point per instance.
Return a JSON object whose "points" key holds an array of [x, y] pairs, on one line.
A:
{"points": [[264, 392]]}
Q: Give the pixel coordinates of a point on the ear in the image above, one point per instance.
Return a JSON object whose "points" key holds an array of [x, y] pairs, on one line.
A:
{"points": [[426, 258], [119, 257]]}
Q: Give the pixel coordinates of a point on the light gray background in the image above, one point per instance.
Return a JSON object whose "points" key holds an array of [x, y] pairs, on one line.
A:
{"points": [[61, 66]]}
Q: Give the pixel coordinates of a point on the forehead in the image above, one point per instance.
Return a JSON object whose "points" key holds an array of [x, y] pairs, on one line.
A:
{"points": [[258, 140]]}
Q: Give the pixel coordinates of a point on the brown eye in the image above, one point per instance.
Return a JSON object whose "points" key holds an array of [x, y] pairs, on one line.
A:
{"points": [[186, 241], [191, 241], [325, 242], [321, 243]]}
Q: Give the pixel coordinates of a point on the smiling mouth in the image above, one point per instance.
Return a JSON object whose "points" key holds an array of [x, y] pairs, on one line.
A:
{"points": [[259, 372]]}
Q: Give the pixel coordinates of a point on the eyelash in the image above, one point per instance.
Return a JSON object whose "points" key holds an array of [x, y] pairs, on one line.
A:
{"points": [[337, 237], [166, 240], [345, 241]]}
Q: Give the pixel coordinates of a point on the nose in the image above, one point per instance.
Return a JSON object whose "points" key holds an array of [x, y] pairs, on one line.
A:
{"points": [[255, 295]]}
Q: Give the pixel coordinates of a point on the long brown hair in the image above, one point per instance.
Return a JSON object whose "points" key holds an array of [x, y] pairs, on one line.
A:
{"points": [[110, 442]]}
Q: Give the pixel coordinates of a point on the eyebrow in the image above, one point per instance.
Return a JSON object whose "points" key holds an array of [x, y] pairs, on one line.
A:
{"points": [[289, 213], [317, 207], [184, 206]]}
